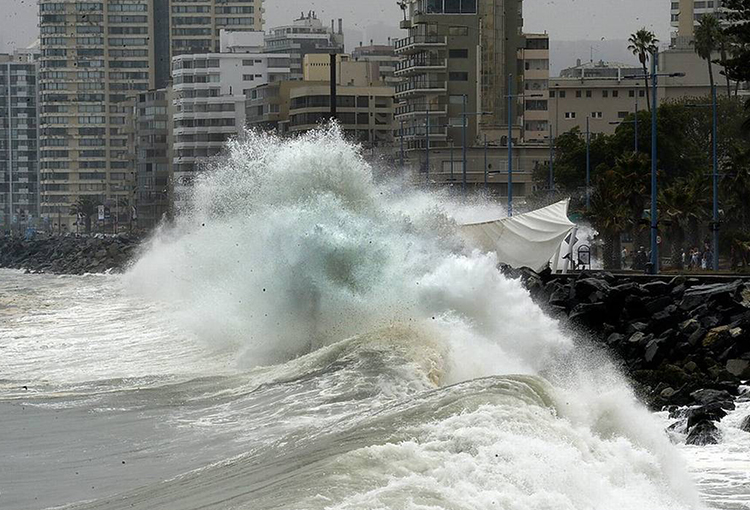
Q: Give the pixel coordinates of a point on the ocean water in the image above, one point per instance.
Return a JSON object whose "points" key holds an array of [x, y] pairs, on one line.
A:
{"points": [[306, 337]]}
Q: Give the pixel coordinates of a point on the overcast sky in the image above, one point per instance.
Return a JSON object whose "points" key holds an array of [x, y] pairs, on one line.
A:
{"points": [[564, 20]]}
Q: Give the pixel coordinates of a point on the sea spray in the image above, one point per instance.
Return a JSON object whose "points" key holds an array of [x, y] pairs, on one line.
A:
{"points": [[289, 248]]}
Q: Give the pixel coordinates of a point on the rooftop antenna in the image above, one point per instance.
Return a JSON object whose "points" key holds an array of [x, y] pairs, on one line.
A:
{"points": [[402, 4]]}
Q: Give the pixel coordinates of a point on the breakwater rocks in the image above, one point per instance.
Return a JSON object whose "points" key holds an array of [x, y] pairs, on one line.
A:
{"points": [[685, 343], [67, 254]]}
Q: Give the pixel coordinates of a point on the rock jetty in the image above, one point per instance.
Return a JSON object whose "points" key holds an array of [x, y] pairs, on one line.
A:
{"points": [[684, 343], [69, 254]]}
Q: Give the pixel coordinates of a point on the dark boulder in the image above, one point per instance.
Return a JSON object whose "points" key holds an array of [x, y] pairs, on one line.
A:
{"points": [[703, 433]]}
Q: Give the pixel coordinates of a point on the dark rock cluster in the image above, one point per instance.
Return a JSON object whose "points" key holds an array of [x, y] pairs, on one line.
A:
{"points": [[67, 254], [684, 342]]}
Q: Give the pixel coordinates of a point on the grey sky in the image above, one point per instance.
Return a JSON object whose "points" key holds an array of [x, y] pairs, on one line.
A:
{"points": [[564, 20]]}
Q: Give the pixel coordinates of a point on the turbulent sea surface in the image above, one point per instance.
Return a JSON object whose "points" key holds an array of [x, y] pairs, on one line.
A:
{"points": [[307, 338]]}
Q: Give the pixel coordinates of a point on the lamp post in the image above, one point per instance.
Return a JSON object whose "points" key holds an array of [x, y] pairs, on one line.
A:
{"points": [[402, 144], [714, 173], [427, 145], [551, 161], [588, 165], [464, 124], [485, 162], [654, 184], [654, 154]]}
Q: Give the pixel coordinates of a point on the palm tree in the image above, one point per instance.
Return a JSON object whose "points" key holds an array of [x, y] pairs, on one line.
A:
{"points": [[682, 205], [85, 206], [631, 176], [610, 216], [707, 35], [643, 45]]}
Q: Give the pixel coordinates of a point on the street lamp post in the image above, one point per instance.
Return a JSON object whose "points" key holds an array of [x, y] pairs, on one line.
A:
{"points": [[463, 143], [714, 136], [402, 144], [427, 146], [654, 184], [654, 154], [551, 161], [485, 162], [510, 145], [635, 121], [588, 165]]}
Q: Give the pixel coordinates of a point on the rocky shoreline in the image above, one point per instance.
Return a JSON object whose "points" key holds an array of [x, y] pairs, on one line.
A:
{"points": [[68, 254], [684, 343]]}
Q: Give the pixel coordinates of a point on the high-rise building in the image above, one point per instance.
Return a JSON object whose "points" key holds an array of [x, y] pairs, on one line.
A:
{"points": [[19, 192], [209, 92], [306, 35], [534, 56], [457, 59], [96, 57], [152, 114]]}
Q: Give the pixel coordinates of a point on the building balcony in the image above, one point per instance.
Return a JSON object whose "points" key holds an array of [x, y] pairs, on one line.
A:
{"points": [[418, 43], [420, 132], [404, 112], [419, 65], [420, 87]]}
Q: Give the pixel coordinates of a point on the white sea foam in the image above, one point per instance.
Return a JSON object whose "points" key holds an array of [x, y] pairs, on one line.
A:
{"points": [[377, 357]]}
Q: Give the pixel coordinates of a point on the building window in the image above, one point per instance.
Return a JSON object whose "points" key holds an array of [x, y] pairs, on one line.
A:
{"points": [[570, 115], [622, 115], [631, 93], [551, 93], [596, 115], [605, 93], [248, 77], [578, 93], [460, 31], [588, 93], [458, 76], [458, 53], [641, 93], [615, 93], [562, 94]]}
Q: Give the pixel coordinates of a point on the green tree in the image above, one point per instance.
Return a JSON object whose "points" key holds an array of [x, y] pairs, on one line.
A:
{"points": [[707, 35], [643, 45], [609, 216], [682, 205], [737, 63], [86, 206]]}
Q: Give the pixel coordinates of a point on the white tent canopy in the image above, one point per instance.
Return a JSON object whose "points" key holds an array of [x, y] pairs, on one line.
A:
{"points": [[526, 240]]}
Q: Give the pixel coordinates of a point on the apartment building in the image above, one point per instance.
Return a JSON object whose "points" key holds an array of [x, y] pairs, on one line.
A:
{"points": [[534, 56], [93, 56], [306, 35], [19, 164], [196, 25], [96, 56], [689, 12], [456, 58], [153, 111], [384, 55], [365, 107], [209, 104]]}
